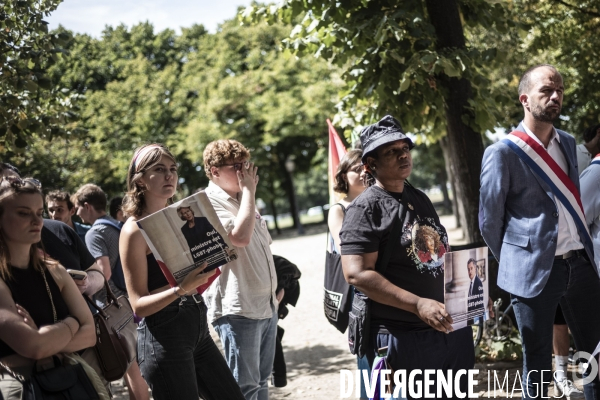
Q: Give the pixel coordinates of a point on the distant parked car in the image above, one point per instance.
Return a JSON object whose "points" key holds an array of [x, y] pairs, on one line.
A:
{"points": [[318, 210]]}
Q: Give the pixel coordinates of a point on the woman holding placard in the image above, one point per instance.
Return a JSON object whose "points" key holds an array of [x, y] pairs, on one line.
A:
{"points": [[176, 353]]}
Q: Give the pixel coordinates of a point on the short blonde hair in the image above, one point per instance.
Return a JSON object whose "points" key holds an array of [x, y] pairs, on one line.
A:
{"points": [[221, 152]]}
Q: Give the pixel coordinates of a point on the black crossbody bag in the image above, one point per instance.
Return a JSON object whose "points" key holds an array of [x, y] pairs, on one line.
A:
{"points": [[337, 299], [360, 314]]}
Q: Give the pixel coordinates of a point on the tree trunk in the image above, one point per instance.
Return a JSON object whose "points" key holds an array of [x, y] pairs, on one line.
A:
{"points": [[443, 180], [441, 177], [289, 188], [465, 145], [274, 211], [451, 179]]}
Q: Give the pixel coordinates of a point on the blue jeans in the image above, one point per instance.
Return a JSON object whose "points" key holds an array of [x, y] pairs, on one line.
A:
{"points": [[575, 285], [178, 358], [249, 350], [363, 365], [428, 349]]}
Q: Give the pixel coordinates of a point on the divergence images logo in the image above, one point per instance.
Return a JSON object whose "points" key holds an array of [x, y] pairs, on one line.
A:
{"points": [[430, 383]]}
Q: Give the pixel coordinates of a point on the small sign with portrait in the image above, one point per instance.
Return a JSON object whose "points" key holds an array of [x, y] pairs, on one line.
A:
{"points": [[185, 235], [466, 287]]}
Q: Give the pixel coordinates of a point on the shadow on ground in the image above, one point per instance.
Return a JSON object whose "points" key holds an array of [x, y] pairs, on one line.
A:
{"points": [[315, 360]]}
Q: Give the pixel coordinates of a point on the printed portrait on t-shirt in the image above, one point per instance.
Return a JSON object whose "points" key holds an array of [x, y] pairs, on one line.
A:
{"points": [[429, 244]]}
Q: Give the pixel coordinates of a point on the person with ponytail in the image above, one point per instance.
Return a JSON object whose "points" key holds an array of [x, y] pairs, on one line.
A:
{"points": [[42, 312], [176, 354]]}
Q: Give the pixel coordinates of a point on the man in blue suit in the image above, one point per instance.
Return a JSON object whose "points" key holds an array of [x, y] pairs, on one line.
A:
{"points": [[475, 294], [534, 231]]}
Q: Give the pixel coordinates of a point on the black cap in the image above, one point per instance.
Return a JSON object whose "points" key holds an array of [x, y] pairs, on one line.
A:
{"points": [[385, 131]]}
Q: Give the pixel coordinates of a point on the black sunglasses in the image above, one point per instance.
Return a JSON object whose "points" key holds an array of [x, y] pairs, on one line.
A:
{"points": [[17, 182]]}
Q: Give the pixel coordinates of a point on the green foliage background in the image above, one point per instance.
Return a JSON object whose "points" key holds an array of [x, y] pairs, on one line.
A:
{"points": [[73, 107], [137, 86]]}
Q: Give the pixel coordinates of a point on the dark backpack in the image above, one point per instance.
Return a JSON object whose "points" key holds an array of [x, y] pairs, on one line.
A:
{"points": [[116, 276]]}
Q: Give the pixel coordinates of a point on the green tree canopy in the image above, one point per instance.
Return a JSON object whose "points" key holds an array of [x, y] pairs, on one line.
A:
{"points": [[411, 59], [247, 89], [30, 105], [140, 86]]}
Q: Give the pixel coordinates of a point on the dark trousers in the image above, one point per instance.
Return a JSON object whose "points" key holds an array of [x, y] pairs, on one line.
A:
{"points": [[279, 367], [427, 350], [179, 359], [574, 284]]}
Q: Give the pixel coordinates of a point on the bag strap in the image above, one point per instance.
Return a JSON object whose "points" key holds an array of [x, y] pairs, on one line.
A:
{"points": [[382, 262], [50, 296], [12, 373], [110, 297]]}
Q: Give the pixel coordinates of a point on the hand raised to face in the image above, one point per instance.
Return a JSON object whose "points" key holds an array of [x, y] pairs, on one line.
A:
{"points": [[247, 177]]}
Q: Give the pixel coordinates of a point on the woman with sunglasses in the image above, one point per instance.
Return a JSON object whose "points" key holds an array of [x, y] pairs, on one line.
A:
{"points": [[176, 354], [42, 312]]}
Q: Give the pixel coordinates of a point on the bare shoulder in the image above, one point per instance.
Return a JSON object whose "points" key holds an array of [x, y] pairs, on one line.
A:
{"points": [[336, 213], [58, 272], [130, 227], [131, 235], [131, 231]]}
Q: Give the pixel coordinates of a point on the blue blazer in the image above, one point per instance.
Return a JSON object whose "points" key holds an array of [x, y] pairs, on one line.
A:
{"points": [[518, 217]]}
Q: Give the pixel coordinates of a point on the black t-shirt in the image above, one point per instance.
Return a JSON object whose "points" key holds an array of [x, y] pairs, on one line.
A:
{"points": [[417, 261], [63, 244]]}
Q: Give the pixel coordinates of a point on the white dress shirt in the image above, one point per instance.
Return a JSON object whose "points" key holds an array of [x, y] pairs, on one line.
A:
{"points": [[568, 236]]}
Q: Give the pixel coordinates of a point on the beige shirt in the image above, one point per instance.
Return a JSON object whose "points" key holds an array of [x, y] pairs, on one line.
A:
{"points": [[246, 286], [568, 235]]}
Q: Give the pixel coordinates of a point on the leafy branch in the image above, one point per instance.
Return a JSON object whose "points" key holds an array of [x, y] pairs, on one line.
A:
{"points": [[582, 10]]}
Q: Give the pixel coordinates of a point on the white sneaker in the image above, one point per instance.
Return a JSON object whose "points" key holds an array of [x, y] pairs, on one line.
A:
{"points": [[567, 390]]}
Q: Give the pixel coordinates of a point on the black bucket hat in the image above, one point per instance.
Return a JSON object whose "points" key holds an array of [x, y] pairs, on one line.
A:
{"points": [[385, 131]]}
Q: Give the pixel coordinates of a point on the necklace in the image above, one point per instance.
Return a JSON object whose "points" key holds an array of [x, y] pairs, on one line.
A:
{"points": [[50, 295]]}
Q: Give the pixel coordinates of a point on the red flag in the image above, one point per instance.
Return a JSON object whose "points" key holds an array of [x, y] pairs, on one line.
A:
{"points": [[336, 152]]}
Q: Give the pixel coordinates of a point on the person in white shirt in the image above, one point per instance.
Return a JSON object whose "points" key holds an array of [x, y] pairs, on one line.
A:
{"points": [[242, 303]]}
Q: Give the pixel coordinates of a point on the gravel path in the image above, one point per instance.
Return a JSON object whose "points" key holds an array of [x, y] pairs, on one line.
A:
{"points": [[314, 350]]}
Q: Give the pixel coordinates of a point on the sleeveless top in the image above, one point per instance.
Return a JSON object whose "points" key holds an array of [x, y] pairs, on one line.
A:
{"points": [[28, 289], [156, 278], [332, 243]]}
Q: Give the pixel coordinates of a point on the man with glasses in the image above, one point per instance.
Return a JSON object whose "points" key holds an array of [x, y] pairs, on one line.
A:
{"points": [[242, 303]]}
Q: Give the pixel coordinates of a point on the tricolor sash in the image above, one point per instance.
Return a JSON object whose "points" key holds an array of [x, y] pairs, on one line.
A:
{"points": [[542, 164], [596, 160]]}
